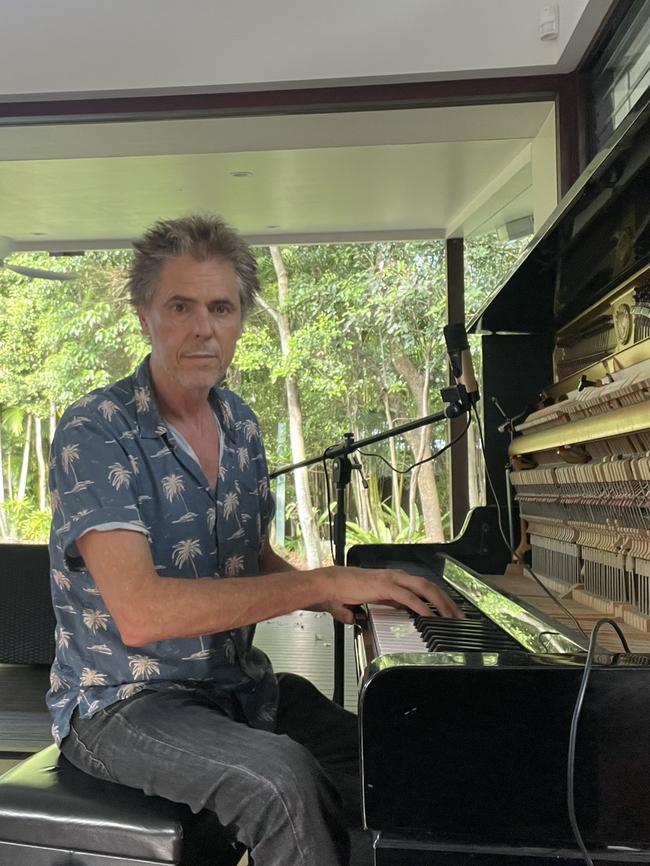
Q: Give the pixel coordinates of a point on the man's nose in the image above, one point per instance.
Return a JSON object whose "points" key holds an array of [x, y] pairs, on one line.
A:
{"points": [[202, 322]]}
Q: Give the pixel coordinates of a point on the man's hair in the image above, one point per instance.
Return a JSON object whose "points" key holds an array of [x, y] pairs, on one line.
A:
{"points": [[203, 237]]}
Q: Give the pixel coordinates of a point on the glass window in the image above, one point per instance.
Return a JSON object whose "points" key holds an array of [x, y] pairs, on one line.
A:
{"points": [[620, 76]]}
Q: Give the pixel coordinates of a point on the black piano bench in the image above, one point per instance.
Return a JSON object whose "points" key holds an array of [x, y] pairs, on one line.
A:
{"points": [[52, 814]]}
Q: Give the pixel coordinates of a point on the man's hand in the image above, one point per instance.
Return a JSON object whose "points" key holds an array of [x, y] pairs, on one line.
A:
{"points": [[354, 586]]}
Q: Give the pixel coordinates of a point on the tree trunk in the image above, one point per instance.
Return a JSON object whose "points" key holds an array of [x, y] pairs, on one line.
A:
{"points": [[365, 511], [296, 437], [423, 477], [4, 529], [423, 481], [22, 482], [360, 502], [414, 485], [10, 480], [52, 420], [300, 476], [40, 459], [396, 484], [370, 496]]}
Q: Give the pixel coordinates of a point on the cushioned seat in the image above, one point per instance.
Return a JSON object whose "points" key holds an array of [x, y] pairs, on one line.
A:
{"points": [[52, 814]]}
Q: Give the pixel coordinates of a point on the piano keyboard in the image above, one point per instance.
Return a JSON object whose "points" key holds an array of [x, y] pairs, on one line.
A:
{"points": [[493, 623], [398, 631]]}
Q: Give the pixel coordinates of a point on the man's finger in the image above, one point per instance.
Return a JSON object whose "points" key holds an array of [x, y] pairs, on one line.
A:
{"points": [[432, 594], [342, 613], [446, 607], [408, 599]]}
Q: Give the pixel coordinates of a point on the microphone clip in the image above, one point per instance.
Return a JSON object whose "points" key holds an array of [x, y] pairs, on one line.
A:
{"points": [[465, 394], [458, 399]]}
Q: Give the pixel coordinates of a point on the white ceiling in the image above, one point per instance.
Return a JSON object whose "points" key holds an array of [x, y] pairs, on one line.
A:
{"points": [[404, 173], [432, 172], [81, 46]]}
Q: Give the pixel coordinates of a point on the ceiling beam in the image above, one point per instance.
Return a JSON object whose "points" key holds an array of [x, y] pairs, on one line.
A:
{"points": [[476, 91]]}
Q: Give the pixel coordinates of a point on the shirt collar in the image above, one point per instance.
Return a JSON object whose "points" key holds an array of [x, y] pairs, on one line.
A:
{"points": [[151, 423]]}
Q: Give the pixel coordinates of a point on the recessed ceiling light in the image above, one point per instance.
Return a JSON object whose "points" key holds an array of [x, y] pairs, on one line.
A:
{"points": [[241, 173]]}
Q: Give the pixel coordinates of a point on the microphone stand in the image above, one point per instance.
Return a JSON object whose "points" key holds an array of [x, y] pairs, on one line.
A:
{"points": [[459, 403]]}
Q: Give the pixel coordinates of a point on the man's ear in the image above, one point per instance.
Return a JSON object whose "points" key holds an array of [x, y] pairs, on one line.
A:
{"points": [[142, 320]]}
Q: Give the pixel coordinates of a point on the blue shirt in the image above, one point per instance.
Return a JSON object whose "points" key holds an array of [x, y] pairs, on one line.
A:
{"points": [[115, 461]]}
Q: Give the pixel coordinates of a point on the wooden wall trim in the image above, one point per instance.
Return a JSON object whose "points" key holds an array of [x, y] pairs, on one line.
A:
{"points": [[459, 487], [299, 100], [571, 132]]}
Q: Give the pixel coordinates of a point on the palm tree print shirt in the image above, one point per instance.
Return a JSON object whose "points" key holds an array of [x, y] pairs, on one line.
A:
{"points": [[115, 462]]}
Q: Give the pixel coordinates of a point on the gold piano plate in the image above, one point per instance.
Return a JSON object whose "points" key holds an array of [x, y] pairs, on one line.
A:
{"points": [[616, 422]]}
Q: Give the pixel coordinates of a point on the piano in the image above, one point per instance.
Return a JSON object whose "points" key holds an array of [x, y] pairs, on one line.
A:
{"points": [[464, 725]]}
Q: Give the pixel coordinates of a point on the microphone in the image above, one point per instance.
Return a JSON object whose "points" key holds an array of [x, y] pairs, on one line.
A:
{"points": [[460, 360]]}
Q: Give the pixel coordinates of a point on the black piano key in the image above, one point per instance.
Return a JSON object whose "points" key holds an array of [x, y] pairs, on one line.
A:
{"points": [[437, 643], [471, 633], [451, 645], [455, 626], [475, 632]]}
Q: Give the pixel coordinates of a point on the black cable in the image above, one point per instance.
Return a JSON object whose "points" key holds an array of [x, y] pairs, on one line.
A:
{"points": [[426, 459], [570, 775], [506, 541]]}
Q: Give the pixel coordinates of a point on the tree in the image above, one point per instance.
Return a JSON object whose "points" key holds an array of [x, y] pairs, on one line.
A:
{"points": [[303, 496], [57, 341], [351, 336], [354, 339]]}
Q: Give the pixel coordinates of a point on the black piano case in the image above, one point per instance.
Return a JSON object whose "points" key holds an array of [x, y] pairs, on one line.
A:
{"points": [[472, 748]]}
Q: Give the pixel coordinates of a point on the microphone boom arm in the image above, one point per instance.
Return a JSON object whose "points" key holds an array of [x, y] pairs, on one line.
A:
{"points": [[342, 472], [460, 405]]}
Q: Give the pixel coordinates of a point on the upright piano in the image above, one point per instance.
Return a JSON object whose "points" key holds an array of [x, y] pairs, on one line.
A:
{"points": [[465, 724]]}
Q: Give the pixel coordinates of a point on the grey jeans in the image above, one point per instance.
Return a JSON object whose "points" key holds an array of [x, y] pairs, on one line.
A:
{"points": [[289, 797]]}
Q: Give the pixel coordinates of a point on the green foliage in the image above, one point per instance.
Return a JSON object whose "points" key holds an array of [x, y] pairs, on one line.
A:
{"points": [[354, 309], [487, 262], [26, 522], [60, 340], [390, 529], [349, 307]]}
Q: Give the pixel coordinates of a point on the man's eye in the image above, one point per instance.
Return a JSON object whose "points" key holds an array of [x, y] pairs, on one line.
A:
{"points": [[179, 307]]}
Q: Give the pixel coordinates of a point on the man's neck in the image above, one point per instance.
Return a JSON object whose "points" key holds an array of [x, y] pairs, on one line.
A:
{"points": [[176, 403]]}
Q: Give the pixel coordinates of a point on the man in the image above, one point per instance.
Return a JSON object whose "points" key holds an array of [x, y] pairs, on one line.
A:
{"points": [[161, 566]]}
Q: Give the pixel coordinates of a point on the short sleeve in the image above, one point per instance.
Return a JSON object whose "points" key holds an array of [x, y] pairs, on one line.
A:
{"points": [[93, 480]]}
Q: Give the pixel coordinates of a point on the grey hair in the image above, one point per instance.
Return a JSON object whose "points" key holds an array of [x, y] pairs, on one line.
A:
{"points": [[203, 237]]}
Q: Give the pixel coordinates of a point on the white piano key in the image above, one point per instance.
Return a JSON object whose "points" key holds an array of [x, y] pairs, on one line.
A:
{"points": [[394, 630]]}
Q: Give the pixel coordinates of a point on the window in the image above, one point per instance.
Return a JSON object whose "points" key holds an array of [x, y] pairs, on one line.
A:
{"points": [[619, 76]]}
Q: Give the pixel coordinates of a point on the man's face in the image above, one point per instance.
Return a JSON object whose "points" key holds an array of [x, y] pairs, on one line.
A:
{"points": [[194, 320]]}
